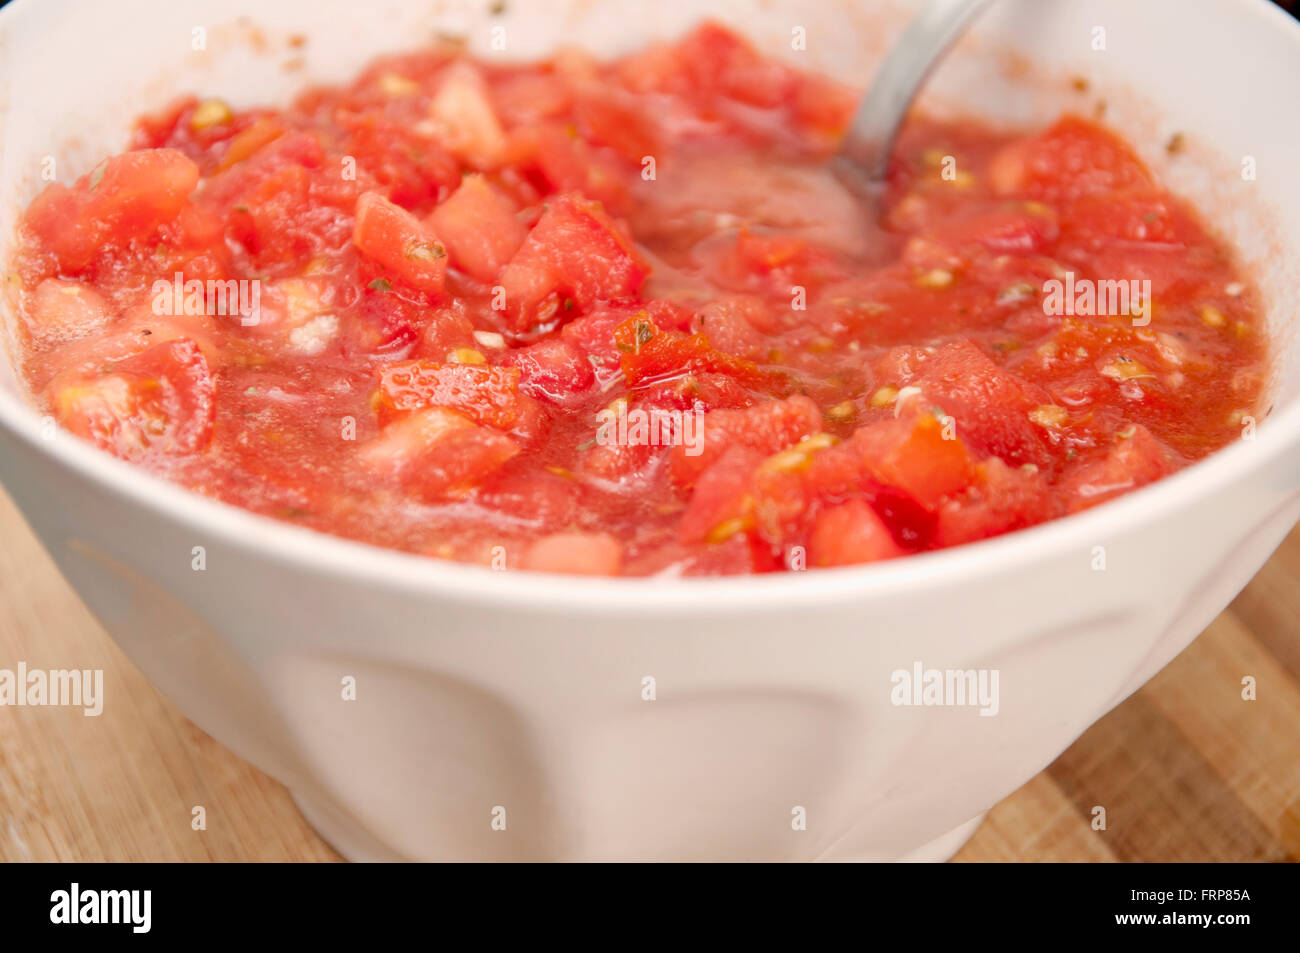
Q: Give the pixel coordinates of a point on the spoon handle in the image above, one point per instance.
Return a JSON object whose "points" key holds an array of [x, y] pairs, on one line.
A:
{"points": [[870, 138]]}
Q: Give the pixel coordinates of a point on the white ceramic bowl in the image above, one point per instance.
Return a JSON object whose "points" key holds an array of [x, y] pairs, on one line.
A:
{"points": [[478, 690]]}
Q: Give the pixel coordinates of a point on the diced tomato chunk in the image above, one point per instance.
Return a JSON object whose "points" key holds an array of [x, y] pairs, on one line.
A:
{"points": [[478, 226], [565, 163], [436, 454], [913, 455], [1145, 215], [487, 395], [414, 172], [60, 311], [850, 533], [575, 251], [552, 370], [543, 499], [719, 61], [467, 123], [765, 428], [722, 505], [650, 355], [582, 554], [128, 196], [989, 406], [1074, 157], [597, 333], [448, 328], [396, 240], [609, 117], [161, 399], [1001, 499], [1134, 461]]}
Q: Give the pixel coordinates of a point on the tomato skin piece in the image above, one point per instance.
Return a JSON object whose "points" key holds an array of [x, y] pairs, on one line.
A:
{"points": [[487, 395], [576, 251], [478, 226], [436, 454], [160, 400], [396, 240], [128, 196], [650, 355], [849, 533]]}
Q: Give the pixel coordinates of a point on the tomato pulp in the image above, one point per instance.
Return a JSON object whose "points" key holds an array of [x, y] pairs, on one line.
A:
{"points": [[619, 318]]}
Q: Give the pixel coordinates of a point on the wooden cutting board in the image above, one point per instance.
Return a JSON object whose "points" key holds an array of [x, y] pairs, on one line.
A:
{"points": [[1185, 769]]}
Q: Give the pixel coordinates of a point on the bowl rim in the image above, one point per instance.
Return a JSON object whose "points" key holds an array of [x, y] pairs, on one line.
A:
{"points": [[321, 553]]}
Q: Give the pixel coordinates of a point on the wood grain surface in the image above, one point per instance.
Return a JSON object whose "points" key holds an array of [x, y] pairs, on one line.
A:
{"points": [[1186, 769]]}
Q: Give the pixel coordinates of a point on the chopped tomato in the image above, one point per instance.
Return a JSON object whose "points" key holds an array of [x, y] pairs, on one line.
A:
{"points": [[552, 370], [765, 428], [126, 197], [61, 311], [487, 395], [850, 533], [393, 238], [466, 122], [161, 399], [650, 355], [479, 228], [1072, 158], [1135, 460], [1000, 499], [436, 453], [583, 554], [915, 455], [612, 118], [575, 256]]}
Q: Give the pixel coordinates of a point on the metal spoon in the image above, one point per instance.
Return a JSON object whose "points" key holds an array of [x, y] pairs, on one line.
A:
{"points": [[864, 155]]}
